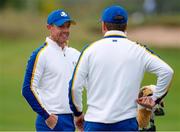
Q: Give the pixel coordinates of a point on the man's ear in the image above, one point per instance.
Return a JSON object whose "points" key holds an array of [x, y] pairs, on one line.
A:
{"points": [[104, 28], [49, 26]]}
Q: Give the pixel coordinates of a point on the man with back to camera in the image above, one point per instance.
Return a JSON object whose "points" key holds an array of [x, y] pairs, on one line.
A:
{"points": [[47, 76], [114, 67]]}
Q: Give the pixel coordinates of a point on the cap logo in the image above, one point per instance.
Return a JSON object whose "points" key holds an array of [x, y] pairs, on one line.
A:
{"points": [[63, 14]]}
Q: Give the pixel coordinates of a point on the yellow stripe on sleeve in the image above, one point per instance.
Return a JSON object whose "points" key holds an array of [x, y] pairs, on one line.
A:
{"points": [[33, 73]]}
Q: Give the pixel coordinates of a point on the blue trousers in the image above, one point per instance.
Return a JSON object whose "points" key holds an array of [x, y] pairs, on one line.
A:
{"points": [[65, 123], [125, 125]]}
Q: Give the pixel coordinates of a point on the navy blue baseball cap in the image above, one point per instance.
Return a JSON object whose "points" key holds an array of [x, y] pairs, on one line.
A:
{"points": [[115, 14], [58, 18]]}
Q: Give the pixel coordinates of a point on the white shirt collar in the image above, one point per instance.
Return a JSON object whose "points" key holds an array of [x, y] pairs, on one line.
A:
{"points": [[115, 33], [53, 44]]}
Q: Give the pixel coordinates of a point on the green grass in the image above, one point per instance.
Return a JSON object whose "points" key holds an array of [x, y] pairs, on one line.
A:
{"points": [[15, 114]]}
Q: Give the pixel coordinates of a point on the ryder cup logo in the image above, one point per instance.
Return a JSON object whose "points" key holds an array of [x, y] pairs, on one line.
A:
{"points": [[63, 14]]}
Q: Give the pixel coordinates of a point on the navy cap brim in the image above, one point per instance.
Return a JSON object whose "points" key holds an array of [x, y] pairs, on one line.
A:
{"points": [[61, 22]]}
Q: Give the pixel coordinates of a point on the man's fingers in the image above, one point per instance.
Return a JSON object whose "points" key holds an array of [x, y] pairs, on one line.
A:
{"points": [[52, 121], [140, 100], [79, 127], [146, 102], [79, 122]]}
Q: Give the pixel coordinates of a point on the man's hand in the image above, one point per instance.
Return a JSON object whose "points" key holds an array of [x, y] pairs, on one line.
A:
{"points": [[51, 121], [147, 102], [79, 122]]}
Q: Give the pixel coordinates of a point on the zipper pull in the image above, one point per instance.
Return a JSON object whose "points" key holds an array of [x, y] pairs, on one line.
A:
{"points": [[64, 50]]}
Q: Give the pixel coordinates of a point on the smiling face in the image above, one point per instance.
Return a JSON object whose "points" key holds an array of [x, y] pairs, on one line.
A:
{"points": [[60, 34]]}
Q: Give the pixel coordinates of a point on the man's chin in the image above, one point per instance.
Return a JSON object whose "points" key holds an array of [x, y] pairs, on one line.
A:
{"points": [[64, 42]]}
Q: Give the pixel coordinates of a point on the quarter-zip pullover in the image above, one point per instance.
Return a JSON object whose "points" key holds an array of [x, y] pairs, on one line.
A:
{"points": [[47, 76]]}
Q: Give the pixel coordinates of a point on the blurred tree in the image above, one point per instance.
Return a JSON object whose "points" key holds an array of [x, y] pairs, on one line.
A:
{"points": [[17, 4], [166, 6], [46, 6], [3, 3], [32, 5], [93, 6], [131, 5]]}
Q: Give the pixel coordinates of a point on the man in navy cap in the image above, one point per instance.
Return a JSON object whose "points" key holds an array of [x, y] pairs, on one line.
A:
{"points": [[114, 67], [47, 76]]}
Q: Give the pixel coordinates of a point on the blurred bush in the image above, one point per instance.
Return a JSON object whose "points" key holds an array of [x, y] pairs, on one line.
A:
{"points": [[27, 18], [163, 6]]}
